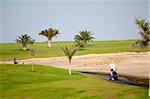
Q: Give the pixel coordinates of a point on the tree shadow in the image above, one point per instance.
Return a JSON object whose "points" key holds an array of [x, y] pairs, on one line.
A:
{"points": [[24, 50], [82, 49], [90, 45]]}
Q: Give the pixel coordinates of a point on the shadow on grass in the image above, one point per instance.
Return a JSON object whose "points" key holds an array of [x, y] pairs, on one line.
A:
{"points": [[91, 45], [24, 50]]}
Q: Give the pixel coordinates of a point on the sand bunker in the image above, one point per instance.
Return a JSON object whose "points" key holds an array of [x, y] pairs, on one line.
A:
{"points": [[128, 63]]}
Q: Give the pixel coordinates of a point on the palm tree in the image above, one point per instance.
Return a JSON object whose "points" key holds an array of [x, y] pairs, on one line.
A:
{"points": [[79, 44], [144, 31], [84, 36], [69, 54], [32, 54], [49, 33], [24, 40]]}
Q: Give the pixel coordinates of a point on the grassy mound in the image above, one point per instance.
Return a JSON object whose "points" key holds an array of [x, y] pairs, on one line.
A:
{"points": [[18, 82], [10, 50]]}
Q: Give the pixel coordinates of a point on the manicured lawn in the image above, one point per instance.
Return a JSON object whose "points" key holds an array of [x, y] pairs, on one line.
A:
{"points": [[18, 82], [10, 50]]}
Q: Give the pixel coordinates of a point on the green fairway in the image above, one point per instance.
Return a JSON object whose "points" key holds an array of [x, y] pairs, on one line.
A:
{"points": [[10, 50], [18, 82]]}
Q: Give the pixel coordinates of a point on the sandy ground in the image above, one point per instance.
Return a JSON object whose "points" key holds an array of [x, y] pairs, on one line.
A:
{"points": [[128, 63]]}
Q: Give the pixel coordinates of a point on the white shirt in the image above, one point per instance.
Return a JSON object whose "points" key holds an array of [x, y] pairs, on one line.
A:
{"points": [[112, 66]]}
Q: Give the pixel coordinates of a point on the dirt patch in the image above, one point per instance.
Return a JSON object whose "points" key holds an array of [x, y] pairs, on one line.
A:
{"points": [[128, 63]]}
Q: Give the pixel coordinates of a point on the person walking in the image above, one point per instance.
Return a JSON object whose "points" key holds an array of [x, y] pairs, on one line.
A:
{"points": [[114, 75]]}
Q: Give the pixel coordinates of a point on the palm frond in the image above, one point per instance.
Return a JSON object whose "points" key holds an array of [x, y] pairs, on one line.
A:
{"points": [[24, 40], [69, 53], [49, 33], [84, 36], [144, 31]]}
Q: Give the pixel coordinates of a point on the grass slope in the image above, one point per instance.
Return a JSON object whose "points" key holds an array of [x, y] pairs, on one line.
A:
{"points": [[10, 50], [18, 82]]}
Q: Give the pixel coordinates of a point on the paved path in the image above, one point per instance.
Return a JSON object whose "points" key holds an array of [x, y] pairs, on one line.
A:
{"points": [[121, 79]]}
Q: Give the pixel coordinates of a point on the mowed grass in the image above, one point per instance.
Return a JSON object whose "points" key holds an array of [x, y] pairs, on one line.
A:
{"points": [[10, 50], [18, 82]]}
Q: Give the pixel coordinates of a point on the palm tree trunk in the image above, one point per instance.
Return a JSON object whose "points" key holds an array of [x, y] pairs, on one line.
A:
{"points": [[70, 67], [70, 73], [33, 64], [85, 43], [49, 44], [24, 48]]}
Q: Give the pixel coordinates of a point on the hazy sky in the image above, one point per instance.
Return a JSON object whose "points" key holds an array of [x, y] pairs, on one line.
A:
{"points": [[107, 19], [149, 10]]}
